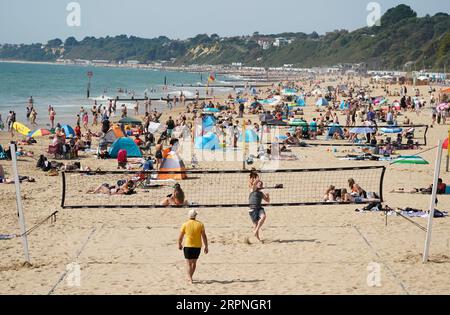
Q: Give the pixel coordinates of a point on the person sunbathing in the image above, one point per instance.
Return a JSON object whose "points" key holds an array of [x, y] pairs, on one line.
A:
{"points": [[330, 194], [441, 189], [106, 189], [176, 199]]}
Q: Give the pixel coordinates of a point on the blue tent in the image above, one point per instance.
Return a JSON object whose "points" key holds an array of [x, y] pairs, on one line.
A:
{"points": [[250, 136], [301, 102], [210, 141], [68, 131], [322, 102], [333, 129], [125, 144], [208, 122]]}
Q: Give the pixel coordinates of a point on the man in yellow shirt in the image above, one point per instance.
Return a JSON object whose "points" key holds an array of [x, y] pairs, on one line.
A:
{"points": [[194, 231]]}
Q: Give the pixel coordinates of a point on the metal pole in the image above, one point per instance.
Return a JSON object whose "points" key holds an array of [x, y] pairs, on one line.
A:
{"points": [[89, 88], [244, 136], [437, 169], [448, 151], [23, 229]]}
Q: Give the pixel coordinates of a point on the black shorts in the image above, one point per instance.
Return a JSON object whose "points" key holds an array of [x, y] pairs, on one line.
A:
{"points": [[192, 253], [255, 215]]}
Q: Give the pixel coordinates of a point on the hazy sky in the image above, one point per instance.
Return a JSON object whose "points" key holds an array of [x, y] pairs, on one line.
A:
{"points": [[27, 21]]}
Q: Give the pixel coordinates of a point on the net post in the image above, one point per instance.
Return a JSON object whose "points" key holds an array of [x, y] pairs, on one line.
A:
{"points": [[63, 197], [437, 169], [383, 172], [23, 229], [244, 147], [448, 151]]}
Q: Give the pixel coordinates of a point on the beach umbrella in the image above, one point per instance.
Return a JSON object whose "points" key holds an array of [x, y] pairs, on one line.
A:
{"points": [[130, 121], [391, 130], [211, 110], [362, 130], [21, 128], [417, 160], [40, 133], [442, 106]]}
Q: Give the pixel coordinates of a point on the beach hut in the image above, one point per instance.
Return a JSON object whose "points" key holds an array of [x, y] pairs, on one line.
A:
{"points": [[172, 163], [250, 136], [68, 131], [322, 102], [125, 144], [209, 141]]}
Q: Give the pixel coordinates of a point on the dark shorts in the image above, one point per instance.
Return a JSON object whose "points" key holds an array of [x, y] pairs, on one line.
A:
{"points": [[256, 215], [192, 253]]}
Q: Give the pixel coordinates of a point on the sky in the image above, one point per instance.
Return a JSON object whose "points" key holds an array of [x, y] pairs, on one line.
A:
{"points": [[25, 21]]}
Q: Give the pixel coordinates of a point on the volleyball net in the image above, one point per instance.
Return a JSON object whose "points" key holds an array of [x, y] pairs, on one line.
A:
{"points": [[217, 189]]}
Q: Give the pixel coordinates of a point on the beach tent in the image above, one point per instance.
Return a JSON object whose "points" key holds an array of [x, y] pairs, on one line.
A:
{"points": [[2, 153], [301, 102], [208, 122], [156, 127], [130, 121], [68, 131], [210, 141], [21, 128], [118, 131], [172, 163], [250, 136], [335, 128], [125, 144], [445, 144], [109, 137], [322, 102]]}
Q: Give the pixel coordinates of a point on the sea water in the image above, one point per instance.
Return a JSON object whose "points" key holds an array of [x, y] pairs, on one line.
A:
{"points": [[65, 88]]}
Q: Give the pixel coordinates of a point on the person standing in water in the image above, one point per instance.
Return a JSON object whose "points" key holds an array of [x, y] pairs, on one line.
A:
{"points": [[192, 232], [52, 117]]}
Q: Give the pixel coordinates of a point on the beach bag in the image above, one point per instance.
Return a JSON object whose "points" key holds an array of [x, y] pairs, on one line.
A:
{"points": [[122, 156]]}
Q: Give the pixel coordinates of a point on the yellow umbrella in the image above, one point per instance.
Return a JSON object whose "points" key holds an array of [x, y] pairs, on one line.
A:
{"points": [[21, 128]]}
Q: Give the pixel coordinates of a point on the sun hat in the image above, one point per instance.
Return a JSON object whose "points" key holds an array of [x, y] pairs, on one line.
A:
{"points": [[192, 214]]}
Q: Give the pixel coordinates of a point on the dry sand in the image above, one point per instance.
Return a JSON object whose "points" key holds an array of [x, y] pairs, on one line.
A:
{"points": [[307, 250]]}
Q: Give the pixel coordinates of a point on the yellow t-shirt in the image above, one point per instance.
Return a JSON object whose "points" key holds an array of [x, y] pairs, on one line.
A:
{"points": [[193, 233]]}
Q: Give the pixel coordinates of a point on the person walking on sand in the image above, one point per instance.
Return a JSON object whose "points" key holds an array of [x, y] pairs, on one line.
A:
{"points": [[192, 232], [257, 212]]}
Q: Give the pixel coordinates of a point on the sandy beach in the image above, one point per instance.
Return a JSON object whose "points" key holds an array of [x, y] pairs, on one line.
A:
{"points": [[307, 250]]}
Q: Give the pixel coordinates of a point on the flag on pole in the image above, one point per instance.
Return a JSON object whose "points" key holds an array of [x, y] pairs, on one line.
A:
{"points": [[212, 77]]}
